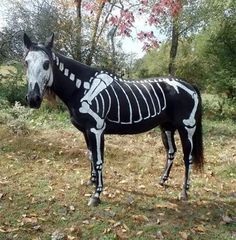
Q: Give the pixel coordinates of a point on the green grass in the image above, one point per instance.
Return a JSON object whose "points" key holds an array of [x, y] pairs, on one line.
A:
{"points": [[43, 175]]}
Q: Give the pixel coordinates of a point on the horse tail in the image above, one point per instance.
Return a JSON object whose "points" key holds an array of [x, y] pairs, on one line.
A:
{"points": [[198, 150]]}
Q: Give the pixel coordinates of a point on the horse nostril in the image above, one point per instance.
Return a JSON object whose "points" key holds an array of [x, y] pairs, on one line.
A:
{"points": [[37, 98], [27, 98]]}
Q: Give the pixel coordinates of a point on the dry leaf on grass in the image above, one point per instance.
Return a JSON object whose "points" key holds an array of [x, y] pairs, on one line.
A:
{"points": [[140, 218], [185, 235], [4, 229], [227, 219]]}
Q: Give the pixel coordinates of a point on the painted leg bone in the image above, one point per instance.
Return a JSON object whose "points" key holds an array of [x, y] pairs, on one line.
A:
{"points": [[188, 161], [93, 177], [101, 82], [85, 108], [98, 164], [170, 156]]}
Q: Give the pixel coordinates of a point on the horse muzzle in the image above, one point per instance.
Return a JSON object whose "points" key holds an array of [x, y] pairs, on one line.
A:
{"points": [[33, 98]]}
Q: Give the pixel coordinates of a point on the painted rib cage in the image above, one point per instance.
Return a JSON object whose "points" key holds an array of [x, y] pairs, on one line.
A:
{"points": [[128, 102]]}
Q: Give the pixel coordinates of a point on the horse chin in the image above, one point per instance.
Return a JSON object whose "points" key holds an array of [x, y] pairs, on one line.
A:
{"points": [[35, 103]]}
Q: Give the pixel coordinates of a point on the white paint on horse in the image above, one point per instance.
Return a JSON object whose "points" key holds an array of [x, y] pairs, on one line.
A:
{"points": [[35, 71], [130, 108], [109, 101], [66, 72], [191, 120], [78, 82], [145, 100], [57, 61], [85, 108], [98, 133], [118, 107], [153, 105], [86, 85], [158, 100], [72, 76], [190, 132], [139, 110], [164, 97], [61, 66], [176, 84]]}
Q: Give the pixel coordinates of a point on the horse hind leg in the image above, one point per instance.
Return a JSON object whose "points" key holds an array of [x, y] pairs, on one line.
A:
{"points": [[169, 143], [186, 135]]}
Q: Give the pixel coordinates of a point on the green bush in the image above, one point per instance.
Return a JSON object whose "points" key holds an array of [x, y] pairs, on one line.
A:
{"points": [[13, 86]]}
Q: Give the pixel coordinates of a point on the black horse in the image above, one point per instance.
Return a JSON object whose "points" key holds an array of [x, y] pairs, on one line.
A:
{"points": [[102, 103]]}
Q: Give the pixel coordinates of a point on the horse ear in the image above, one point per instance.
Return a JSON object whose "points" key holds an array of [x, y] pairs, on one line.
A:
{"points": [[27, 41], [49, 41]]}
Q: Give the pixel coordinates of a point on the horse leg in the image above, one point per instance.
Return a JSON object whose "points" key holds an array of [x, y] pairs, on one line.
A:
{"points": [[169, 144], [96, 143], [92, 180], [186, 135]]}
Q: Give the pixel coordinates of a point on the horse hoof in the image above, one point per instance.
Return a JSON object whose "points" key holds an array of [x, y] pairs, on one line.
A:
{"points": [[94, 201], [162, 183], [184, 196]]}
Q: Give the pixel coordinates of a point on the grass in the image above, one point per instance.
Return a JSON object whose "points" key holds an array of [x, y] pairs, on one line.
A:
{"points": [[43, 175]]}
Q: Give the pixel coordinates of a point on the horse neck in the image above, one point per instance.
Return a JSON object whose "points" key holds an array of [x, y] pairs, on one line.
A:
{"points": [[69, 77]]}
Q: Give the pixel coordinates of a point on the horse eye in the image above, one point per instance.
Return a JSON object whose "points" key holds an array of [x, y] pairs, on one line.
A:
{"points": [[46, 65], [26, 63]]}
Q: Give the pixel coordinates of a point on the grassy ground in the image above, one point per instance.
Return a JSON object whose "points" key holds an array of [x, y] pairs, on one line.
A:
{"points": [[43, 189]]}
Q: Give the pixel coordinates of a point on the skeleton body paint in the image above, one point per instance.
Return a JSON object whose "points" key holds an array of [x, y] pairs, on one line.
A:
{"points": [[101, 103]]}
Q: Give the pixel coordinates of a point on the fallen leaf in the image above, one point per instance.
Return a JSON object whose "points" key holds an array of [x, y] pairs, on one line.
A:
{"points": [[139, 233], [184, 235], [30, 221], [121, 236], [159, 235], [8, 230], [58, 235], [228, 219], [200, 229], [140, 218]]}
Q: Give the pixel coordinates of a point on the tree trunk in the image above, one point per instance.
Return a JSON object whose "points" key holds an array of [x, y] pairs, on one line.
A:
{"points": [[94, 35], [78, 30], [174, 46]]}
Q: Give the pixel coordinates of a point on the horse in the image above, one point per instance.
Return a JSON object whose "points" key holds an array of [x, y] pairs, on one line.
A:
{"points": [[99, 103]]}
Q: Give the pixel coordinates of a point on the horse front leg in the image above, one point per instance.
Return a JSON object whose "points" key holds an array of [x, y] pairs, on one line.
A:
{"points": [[92, 180], [96, 143]]}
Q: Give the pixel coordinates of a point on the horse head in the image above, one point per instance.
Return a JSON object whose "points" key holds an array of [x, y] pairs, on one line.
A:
{"points": [[38, 61]]}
